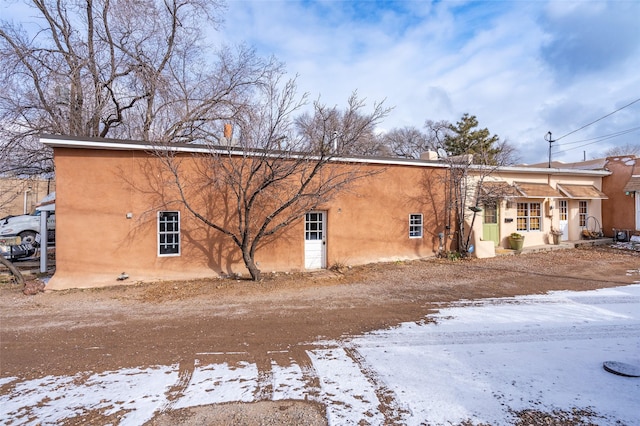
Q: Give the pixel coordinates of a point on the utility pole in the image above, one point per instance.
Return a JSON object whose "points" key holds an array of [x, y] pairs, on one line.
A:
{"points": [[549, 139]]}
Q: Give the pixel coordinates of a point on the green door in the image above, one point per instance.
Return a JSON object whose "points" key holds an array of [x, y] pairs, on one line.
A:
{"points": [[490, 229]]}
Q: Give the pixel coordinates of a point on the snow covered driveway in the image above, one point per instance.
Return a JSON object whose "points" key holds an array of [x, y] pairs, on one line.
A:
{"points": [[485, 360], [481, 361]]}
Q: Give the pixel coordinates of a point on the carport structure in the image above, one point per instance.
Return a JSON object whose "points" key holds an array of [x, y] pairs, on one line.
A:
{"points": [[45, 207]]}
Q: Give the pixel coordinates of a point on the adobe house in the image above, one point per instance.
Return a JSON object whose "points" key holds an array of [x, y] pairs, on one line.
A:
{"points": [[621, 212], [115, 214], [533, 200]]}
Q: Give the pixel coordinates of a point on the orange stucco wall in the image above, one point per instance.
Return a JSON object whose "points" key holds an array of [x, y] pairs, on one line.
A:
{"points": [[619, 210], [96, 240], [371, 223]]}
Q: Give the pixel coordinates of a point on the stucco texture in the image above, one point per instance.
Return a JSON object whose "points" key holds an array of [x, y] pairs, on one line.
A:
{"points": [[108, 200]]}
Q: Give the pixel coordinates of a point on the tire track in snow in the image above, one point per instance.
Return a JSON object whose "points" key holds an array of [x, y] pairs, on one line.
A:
{"points": [[390, 407], [348, 395], [310, 375], [175, 392], [264, 385]]}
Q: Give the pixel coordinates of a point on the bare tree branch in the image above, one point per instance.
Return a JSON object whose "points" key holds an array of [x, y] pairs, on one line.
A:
{"points": [[270, 176], [120, 69]]}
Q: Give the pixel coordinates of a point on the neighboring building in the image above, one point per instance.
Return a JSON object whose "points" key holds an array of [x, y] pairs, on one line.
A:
{"points": [[531, 200], [621, 212], [20, 196], [621, 208], [115, 214]]}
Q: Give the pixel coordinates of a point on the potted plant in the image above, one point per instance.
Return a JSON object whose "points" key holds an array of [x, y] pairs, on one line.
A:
{"points": [[555, 234], [516, 241]]}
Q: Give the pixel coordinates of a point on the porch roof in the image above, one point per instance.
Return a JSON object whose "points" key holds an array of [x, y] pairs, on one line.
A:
{"points": [[633, 185], [582, 192], [536, 190]]}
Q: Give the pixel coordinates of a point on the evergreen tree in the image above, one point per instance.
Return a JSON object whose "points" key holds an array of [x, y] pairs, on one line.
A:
{"points": [[464, 138]]}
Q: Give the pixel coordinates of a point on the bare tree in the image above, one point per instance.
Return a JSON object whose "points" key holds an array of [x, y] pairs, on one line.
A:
{"points": [[628, 149], [271, 175], [122, 69], [406, 142], [507, 154], [326, 127], [436, 133]]}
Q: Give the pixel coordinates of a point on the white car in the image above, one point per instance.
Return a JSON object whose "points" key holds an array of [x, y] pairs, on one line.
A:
{"points": [[27, 226], [10, 249]]}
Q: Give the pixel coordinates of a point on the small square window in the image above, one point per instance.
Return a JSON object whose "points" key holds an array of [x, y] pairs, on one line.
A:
{"points": [[169, 233], [415, 226]]}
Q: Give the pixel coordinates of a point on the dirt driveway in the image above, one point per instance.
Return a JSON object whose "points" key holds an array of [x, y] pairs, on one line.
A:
{"points": [[63, 333]]}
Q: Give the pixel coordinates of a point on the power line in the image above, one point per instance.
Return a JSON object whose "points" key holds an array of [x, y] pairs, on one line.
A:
{"points": [[603, 137], [597, 139], [601, 118]]}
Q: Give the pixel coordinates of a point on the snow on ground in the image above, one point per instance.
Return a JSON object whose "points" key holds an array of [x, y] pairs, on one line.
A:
{"points": [[479, 360], [482, 361]]}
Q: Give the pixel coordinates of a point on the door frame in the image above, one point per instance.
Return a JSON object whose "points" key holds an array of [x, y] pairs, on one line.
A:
{"points": [[315, 240], [491, 225], [563, 224]]}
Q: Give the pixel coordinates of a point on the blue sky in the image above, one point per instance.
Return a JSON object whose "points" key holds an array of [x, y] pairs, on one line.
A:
{"points": [[524, 68]]}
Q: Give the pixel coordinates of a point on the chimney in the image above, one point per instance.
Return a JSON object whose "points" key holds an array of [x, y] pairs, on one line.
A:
{"points": [[429, 155], [228, 129]]}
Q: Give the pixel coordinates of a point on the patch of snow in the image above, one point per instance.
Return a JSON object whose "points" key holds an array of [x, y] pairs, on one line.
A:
{"points": [[288, 382], [485, 362], [219, 383], [133, 393], [5, 380], [480, 361], [347, 393]]}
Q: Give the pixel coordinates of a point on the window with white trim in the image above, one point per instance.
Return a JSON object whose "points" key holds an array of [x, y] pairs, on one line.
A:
{"points": [[169, 233], [583, 213], [415, 226], [564, 210], [529, 217]]}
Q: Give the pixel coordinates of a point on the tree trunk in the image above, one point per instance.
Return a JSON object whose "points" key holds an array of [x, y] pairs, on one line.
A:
{"points": [[14, 271], [256, 275]]}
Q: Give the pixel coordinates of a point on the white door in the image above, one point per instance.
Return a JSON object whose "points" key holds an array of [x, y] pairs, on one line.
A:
{"points": [[564, 219], [315, 253]]}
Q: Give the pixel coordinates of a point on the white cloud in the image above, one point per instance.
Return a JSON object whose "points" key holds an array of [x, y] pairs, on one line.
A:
{"points": [[523, 68], [591, 37], [438, 61]]}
